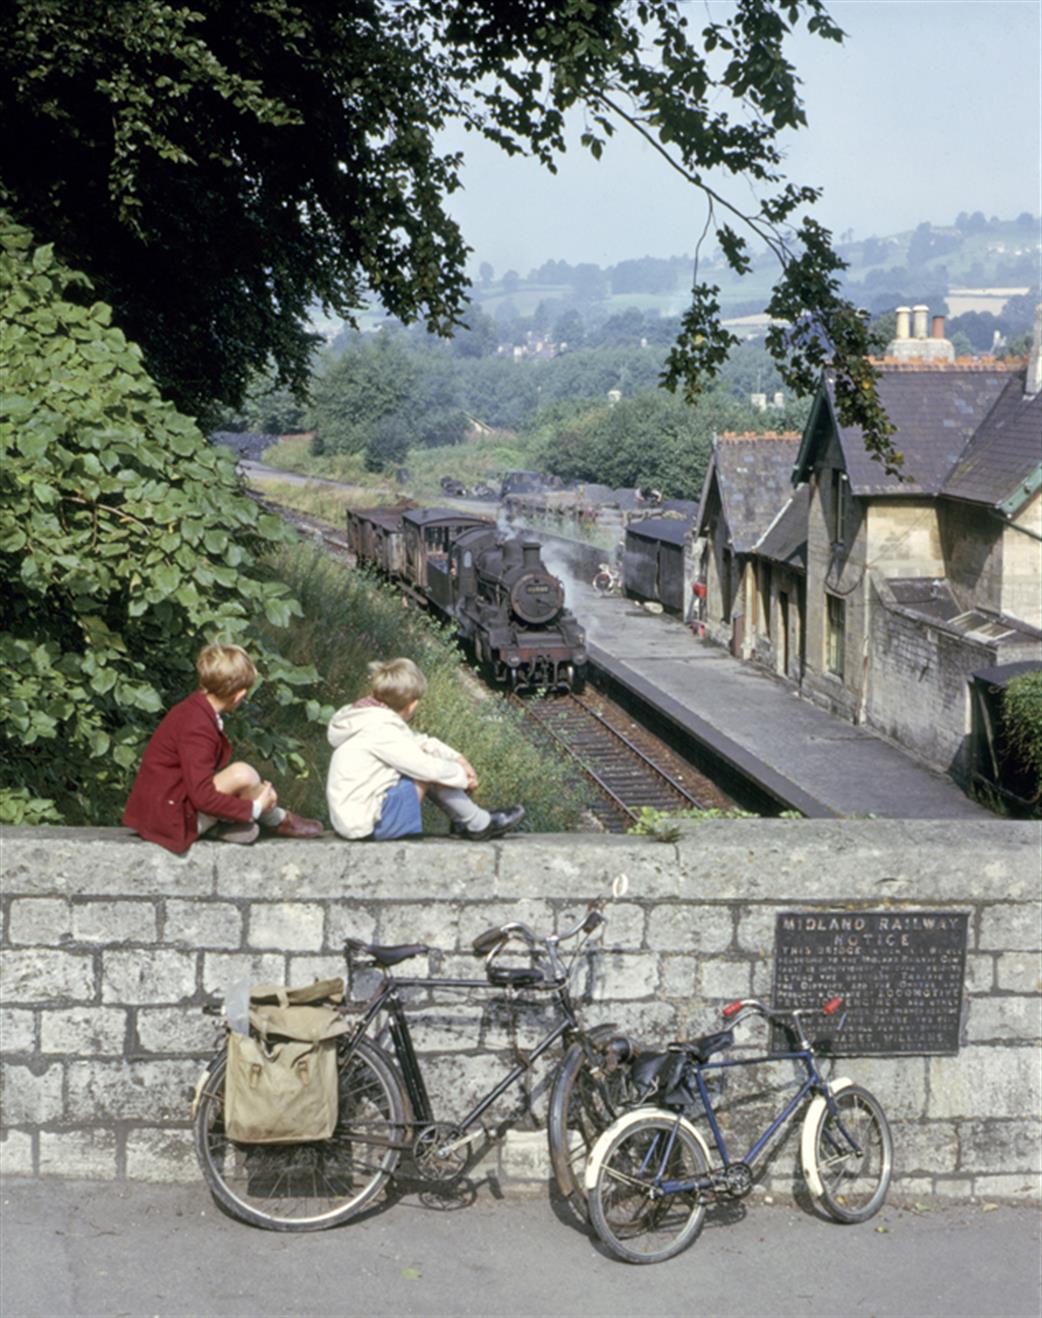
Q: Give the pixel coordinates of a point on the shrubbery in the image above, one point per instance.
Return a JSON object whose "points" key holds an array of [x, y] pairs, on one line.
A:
{"points": [[1022, 723]]}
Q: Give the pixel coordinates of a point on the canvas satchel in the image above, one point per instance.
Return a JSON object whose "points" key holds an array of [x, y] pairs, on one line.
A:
{"points": [[281, 1079]]}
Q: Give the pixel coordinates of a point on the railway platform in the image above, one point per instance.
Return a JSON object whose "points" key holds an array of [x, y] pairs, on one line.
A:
{"points": [[790, 750]]}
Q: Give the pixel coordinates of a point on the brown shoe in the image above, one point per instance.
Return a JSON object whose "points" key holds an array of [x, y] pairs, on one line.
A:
{"points": [[296, 826]]}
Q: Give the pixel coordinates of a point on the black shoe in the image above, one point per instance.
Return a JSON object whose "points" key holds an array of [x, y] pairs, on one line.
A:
{"points": [[499, 822]]}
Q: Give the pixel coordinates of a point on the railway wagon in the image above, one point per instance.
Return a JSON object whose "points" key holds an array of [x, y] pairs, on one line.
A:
{"points": [[374, 536], [653, 560]]}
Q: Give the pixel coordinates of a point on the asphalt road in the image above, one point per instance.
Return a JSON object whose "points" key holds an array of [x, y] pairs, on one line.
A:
{"points": [[88, 1249]]}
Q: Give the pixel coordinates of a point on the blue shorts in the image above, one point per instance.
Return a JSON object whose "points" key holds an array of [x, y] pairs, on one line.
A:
{"points": [[400, 815]]}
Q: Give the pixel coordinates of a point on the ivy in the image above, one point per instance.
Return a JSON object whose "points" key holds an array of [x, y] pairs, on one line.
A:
{"points": [[126, 542], [1022, 723]]}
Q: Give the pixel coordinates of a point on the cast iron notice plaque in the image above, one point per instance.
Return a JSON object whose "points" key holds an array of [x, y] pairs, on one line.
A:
{"points": [[900, 974]]}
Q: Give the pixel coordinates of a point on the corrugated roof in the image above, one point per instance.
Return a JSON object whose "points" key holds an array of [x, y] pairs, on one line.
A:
{"points": [[426, 516], [785, 540], [753, 476], [673, 530], [1001, 463]]}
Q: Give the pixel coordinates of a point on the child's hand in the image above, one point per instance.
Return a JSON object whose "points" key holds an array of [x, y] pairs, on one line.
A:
{"points": [[268, 797], [472, 777]]}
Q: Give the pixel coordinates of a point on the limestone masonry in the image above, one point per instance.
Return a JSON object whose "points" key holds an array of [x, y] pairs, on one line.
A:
{"points": [[110, 945]]}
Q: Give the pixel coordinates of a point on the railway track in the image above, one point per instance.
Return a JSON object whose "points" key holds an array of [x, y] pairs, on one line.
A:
{"points": [[629, 767]]}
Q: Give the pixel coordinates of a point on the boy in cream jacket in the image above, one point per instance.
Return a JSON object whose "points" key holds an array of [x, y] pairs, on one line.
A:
{"points": [[381, 770]]}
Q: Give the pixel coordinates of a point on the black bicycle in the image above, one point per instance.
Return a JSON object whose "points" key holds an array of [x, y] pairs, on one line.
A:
{"points": [[384, 1108]]}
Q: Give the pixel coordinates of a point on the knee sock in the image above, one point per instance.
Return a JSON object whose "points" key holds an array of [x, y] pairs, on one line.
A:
{"points": [[272, 818], [459, 806]]}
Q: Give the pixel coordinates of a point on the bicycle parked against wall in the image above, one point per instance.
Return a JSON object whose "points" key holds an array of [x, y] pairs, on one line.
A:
{"points": [[384, 1109], [650, 1174]]}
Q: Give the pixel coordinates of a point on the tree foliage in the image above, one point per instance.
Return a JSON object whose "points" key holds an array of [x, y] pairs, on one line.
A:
{"points": [[217, 169], [125, 542], [1022, 724]]}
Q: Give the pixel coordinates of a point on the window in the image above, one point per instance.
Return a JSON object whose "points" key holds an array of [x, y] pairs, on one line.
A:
{"points": [[835, 633], [839, 506]]}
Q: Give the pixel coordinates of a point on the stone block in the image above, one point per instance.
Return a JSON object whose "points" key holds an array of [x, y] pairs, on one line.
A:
{"points": [[1004, 1018], [1011, 928], [16, 1153], [680, 978], [223, 969], [40, 920], [690, 927], [349, 919], [756, 927], [436, 923], [1001, 1146], [87, 1154], [538, 915], [622, 975], [946, 1187], [178, 1030], [31, 1096], [524, 1156], [723, 979], [86, 1030], [1015, 1187], [114, 922], [625, 925], [1019, 972], [652, 1024], [980, 972], [925, 1147], [101, 862], [286, 926], [306, 969], [161, 1155], [548, 866], [1002, 1082], [202, 924], [46, 975], [17, 1030], [147, 976], [900, 1083], [131, 1090]]}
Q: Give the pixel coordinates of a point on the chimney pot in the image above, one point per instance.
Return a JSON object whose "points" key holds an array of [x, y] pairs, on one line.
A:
{"points": [[919, 315], [937, 328], [902, 322]]}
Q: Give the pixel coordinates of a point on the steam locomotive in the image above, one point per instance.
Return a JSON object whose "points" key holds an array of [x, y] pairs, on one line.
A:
{"points": [[506, 607]]}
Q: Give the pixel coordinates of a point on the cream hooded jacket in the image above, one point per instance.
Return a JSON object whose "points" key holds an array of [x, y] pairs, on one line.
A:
{"points": [[372, 748]]}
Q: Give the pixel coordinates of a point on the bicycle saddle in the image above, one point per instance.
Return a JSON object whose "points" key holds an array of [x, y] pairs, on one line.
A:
{"points": [[387, 956], [702, 1048]]}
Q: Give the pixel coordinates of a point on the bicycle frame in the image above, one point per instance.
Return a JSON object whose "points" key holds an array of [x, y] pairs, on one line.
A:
{"points": [[387, 998]]}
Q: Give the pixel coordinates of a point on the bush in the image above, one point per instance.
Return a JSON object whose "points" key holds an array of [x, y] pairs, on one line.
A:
{"points": [[1022, 724], [350, 618], [126, 542]]}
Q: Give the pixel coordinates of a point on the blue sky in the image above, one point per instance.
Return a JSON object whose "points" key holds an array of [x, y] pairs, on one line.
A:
{"points": [[930, 107]]}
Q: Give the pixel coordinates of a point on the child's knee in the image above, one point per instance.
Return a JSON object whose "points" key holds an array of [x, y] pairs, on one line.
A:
{"points": [[237, 778]]}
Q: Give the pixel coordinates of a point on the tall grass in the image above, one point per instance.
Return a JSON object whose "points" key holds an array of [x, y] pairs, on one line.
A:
{"points": [[351, 618], [325, 502]]}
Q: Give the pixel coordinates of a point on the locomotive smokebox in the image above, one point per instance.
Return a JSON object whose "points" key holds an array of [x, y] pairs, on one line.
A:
{"points": [[530, 555]]}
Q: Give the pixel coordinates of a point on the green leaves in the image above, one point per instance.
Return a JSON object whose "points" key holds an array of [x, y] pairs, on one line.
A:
{"points": [[124, 545]]}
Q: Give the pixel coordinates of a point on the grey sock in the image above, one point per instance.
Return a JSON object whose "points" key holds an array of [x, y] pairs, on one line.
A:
{"points": [[272, 818]]}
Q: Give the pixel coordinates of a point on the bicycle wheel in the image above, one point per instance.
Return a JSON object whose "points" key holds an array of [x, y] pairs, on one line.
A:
{"points": [[628, 1208], [308, 1186], [582, 1105], [854, 1180]]}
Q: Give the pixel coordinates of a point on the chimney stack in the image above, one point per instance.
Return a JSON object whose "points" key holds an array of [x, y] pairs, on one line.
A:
{"points": [[919, 315], [919, 348], [1033, 379]]}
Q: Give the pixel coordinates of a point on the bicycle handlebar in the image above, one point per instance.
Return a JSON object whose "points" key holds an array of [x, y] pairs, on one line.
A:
{"points": [[828, 1008], [494, 940]]}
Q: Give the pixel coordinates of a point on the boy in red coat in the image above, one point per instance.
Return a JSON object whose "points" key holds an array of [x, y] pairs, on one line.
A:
{"points": [[185, 784]]}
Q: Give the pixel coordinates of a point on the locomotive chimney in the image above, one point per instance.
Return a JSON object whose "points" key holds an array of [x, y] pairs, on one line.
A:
{"points": [[530, 553]]}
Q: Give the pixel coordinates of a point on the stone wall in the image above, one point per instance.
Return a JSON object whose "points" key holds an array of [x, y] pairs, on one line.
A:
{"points": [[110, 945]]}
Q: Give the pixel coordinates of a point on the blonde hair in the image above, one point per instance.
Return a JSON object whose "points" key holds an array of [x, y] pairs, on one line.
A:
{"points": [[224, 669], [396, 682]]}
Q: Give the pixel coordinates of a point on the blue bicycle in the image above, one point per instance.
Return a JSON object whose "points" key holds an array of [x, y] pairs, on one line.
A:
{"points": [[650, 1174]]}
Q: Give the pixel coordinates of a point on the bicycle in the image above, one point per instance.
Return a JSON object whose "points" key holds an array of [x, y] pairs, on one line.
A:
{"points": [[650, 1175], [384, 1107]]}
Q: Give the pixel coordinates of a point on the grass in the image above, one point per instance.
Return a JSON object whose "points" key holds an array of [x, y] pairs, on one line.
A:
{"points": [[322, 501], [351, 618]]}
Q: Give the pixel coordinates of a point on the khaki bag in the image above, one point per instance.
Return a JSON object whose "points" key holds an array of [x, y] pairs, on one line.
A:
{"points": [[280, 1085]]}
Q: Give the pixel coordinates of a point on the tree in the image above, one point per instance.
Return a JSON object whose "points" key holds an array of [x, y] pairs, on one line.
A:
{"points": [[217, 169], [125, 543], [486, 274]]}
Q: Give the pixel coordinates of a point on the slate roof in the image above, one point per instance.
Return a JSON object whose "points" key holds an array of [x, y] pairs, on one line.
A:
{"points": [[752, 473], [785, 540], [936, 409], [1002, 465]]}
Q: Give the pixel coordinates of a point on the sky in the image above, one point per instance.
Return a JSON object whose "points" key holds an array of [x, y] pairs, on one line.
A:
{"points": [[929, 108]]}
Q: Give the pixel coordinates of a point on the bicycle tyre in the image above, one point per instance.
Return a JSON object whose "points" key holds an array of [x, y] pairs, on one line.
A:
{"points": [[314, 1185], [853, 1185], [637, 1226], [585, 1105]]}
